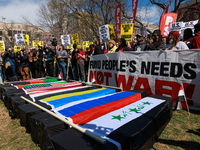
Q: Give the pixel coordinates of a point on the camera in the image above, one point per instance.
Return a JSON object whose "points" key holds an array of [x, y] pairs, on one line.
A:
{"points": [[54, 42]]}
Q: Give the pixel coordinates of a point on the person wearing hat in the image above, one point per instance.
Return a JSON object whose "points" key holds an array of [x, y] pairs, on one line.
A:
{"points": [[80, 56], [62, 59], [174, 42], [112, 46], [140, 46], [196, 40], [157, 43], [24, 65]]}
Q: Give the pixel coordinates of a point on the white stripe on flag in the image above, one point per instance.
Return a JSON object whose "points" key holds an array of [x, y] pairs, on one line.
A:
{"points": [[113, 120]]}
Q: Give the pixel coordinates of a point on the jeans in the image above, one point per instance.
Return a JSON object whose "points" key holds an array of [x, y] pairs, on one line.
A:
{"points": [[63, 69], [81, 69], [14, 70]]}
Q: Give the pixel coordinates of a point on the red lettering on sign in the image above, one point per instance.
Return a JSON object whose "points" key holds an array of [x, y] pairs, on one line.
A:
{"points": [[122, 80], [107, 75], [145, 83], [173, 92]]}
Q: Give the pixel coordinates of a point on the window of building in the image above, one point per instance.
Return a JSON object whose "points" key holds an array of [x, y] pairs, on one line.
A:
{"points": [[19, 27], [188, 15], [0, 38], [0, 32], [24, 32], [14, 32], [194, 14], [10, 33], [181, 15]]}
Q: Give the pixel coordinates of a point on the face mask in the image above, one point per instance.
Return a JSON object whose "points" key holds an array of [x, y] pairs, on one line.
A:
{"points": [[171, 41], [154, 38]]}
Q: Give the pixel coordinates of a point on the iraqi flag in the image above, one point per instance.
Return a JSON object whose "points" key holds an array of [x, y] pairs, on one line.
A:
{"points": [[181, 99], [119, 117]]}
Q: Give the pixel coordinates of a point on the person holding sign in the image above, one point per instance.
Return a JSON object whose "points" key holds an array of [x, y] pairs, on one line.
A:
{"points": [[24, 64], [80, 56]]}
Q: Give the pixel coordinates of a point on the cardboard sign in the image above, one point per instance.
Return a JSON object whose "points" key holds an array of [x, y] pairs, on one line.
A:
{"points": [[104, 33], [127, 32], [86, 44], [75, 39], [37, 43], [112, 32], [65, 39], [17, 49], [2, 46], [70, 47], [19, 39], [26, 39]]}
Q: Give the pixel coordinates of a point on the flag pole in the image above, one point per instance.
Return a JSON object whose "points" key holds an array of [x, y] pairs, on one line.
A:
{"points": [[82, 130], [185, 99]]}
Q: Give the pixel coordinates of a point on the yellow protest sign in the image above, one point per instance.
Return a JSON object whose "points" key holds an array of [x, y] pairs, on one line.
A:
{"points": [[2, 46], [17, 48], [112, 32], [86, 44], [75, 39], [26, 39], [91, 43], [37, 43], [127, 32], [70, 47]]}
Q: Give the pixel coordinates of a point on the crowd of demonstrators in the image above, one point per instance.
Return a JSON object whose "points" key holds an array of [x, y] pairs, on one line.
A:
{"points": [[74, 63]]}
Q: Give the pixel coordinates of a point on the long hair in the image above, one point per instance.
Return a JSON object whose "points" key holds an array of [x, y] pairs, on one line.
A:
{"points": [[123, 43]]}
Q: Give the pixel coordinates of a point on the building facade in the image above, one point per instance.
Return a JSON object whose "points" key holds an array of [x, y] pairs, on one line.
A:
{"points": [[7, 31], [189, 11]]}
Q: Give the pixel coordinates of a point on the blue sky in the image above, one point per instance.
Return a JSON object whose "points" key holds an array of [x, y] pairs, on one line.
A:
{"points": [[13, 10]]}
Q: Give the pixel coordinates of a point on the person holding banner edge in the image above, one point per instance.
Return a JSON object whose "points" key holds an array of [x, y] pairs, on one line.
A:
{"points": [[196, 40]]}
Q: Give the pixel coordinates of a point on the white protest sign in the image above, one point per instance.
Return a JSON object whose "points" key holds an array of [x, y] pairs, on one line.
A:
{"points": [[65, 39], [104, 33], [19, 39]]}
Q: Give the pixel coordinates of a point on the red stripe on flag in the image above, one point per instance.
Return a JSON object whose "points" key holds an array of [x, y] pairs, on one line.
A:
{"points": [[96, 112]]}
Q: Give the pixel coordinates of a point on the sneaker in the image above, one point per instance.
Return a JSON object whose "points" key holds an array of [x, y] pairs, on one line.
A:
{"points": [[83, 81]]}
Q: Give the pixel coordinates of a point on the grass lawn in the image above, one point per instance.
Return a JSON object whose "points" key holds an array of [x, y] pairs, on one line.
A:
{"points": [[182, 133]]}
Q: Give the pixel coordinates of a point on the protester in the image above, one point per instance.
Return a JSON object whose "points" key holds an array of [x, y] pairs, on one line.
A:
{"points": [[80, 56], [166, 42], [130, 45], [99, 49], [122, 46], [157, 44], [31, 65], [174, 42], [140, 46], [38, 63], [196, 40], [24, 65], [62, 59], [10, 64], [112, 46], [74, 62], [188, 36], [49, 62]]}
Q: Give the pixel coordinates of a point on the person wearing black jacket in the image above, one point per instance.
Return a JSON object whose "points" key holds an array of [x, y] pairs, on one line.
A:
{"points": [[74, 62], [9, 56], [157, 44], [49, 61], [24, 64], [99, 49]]}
